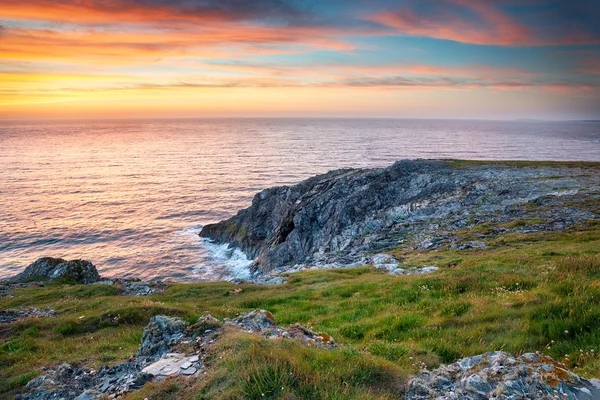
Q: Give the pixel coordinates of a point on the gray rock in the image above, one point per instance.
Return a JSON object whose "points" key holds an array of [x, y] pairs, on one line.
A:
{"points": [[173, 364], [136, 287], [80, 271], [263, 322], [255, 321], [160, 335], [337, 218], [498, 375], [468, 245], [11, 315], [89, 394]]}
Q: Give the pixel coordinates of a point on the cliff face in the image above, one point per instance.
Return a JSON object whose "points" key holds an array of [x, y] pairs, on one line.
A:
{"points": [[342, 215]]}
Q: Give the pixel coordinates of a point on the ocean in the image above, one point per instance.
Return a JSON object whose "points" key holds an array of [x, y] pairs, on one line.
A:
{"points": [[131, 196]]}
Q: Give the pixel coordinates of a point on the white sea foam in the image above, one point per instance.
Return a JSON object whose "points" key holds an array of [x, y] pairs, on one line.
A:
{"points": [[217, 261], [232, 261]]}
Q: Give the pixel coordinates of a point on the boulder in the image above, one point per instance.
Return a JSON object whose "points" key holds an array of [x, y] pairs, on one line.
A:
{"points": [[80, 271], [255, 321], [160, 335]]}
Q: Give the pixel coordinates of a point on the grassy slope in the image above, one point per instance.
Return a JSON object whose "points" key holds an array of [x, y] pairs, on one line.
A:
{"points": [[526, 292]]}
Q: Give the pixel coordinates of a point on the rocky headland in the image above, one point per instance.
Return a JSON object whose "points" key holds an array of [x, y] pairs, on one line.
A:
{"points": [[345, 217]]}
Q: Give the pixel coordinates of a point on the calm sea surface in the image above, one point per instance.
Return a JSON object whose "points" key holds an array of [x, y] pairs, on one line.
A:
{"points": [[131, 196]]}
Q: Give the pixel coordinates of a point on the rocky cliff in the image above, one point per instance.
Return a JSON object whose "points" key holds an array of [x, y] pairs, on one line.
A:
{"points": [[343, 216]]}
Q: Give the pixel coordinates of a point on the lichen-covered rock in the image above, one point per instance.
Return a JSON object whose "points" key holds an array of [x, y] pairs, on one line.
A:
{"points": [[160, 335], [500, 376], [80, 271], [155, 361], [255, 321]]}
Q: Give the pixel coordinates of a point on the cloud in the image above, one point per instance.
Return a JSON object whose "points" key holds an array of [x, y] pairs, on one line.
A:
{"points": [[151, 11], [125, 47], [288, 81], [486, 22], [463, 83]]}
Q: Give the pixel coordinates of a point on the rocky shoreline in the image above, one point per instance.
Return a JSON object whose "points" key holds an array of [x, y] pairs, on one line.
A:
{"points": [[74, 271], [346, 217], [341, 219]]}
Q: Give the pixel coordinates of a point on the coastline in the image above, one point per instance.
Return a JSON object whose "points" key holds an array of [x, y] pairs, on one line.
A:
{"points": [[523, 285]]}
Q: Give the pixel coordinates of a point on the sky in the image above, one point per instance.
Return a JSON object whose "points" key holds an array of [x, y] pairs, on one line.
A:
{"points": [[488, 59]]}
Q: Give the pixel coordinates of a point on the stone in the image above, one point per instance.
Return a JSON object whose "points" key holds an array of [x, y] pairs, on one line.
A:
{"points": [[255, 321], [80, 271], [185, 365], [172, 364], [189, 371], [89, 394], [498, 375], [160, 335], [383, 260], [11, 315], [468, 245], [136, 287]]}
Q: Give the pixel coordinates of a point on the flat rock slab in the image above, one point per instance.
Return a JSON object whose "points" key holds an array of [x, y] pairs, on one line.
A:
{"points": [[174, 364]]}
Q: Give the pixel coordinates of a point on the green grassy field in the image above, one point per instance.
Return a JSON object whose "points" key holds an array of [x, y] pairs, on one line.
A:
{"points": [[525, 292]]}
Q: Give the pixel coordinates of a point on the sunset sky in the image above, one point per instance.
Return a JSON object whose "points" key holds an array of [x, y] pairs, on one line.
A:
{"points": [[185, 58]]}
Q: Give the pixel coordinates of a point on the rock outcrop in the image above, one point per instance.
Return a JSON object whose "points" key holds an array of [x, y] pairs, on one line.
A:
{"points": [[343, 216], [161, 354], [80, 271], [263, 323], [500, 376], [160, 335], [11, 315]]}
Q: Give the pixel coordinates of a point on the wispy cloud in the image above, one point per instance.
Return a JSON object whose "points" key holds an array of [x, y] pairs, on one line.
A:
{"points": [[485, 23]]}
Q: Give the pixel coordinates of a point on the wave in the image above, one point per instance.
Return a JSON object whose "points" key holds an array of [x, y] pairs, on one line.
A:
{"points": [[232, 260], [219, 260]]}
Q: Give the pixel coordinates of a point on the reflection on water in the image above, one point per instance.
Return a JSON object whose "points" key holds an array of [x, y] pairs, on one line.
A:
{"points": [[132, 195]]}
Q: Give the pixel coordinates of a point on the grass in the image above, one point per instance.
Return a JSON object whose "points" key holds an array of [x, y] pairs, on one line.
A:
{"points": [[525, 292]]}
